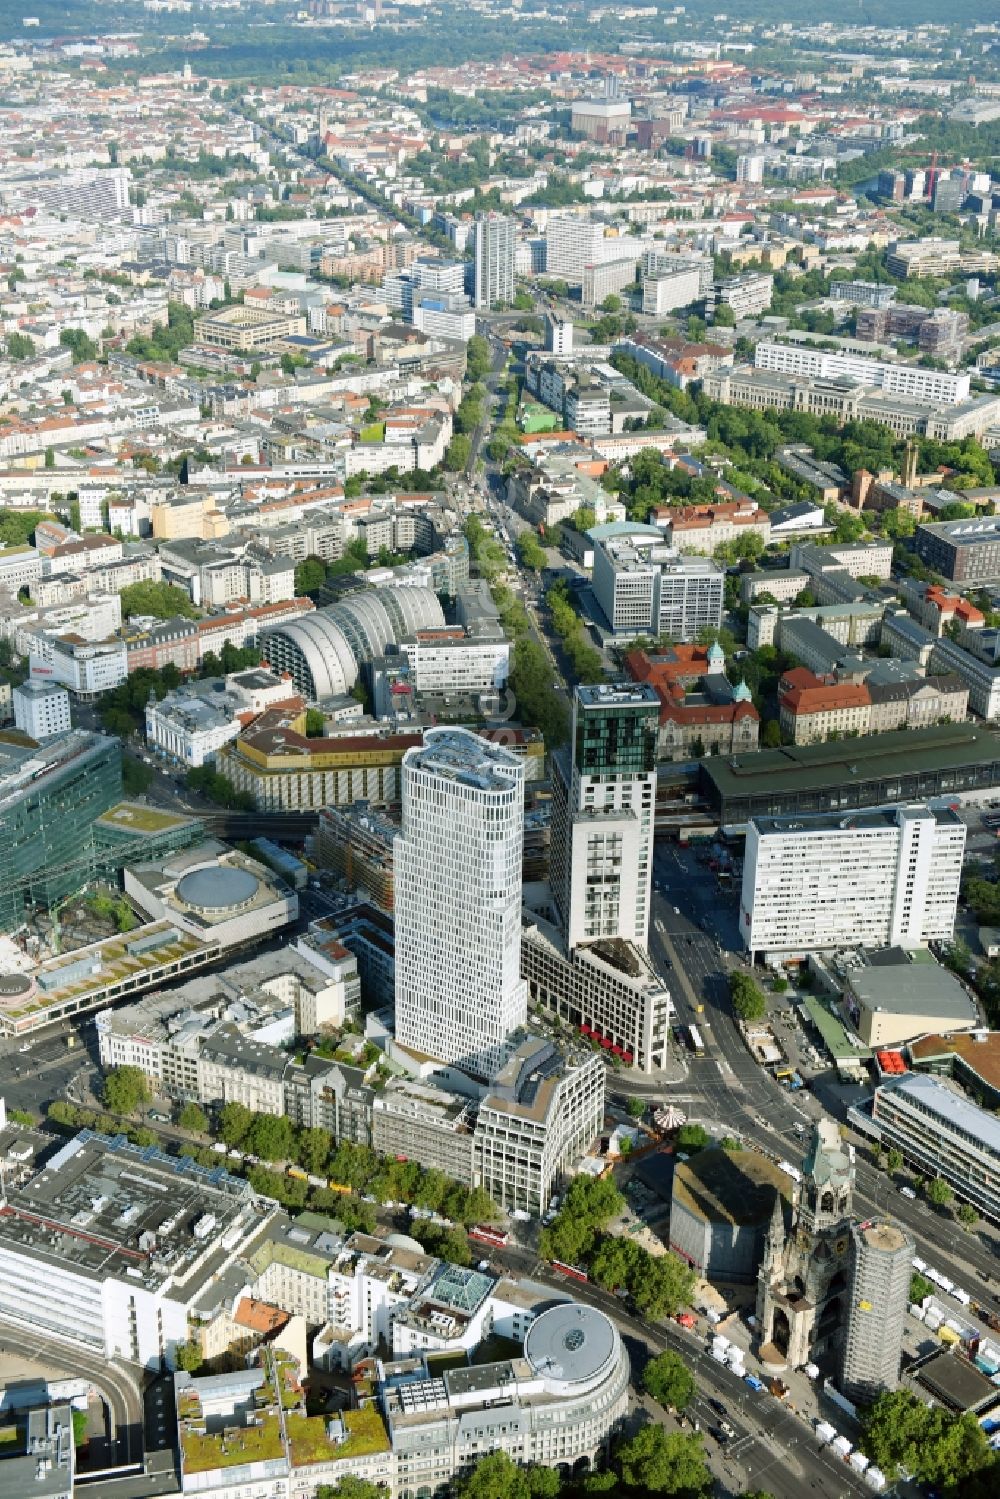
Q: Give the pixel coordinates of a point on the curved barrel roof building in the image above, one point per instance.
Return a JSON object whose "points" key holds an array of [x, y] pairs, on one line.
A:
{"points": [[323, 651]]}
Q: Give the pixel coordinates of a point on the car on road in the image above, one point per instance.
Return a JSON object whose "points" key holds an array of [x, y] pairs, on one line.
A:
{"points": [[718, 1407], [908, 1192], [754, 1383]]}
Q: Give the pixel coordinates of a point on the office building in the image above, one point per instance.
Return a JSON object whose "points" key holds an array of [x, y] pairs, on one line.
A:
{"points": [[932, 387], [938, 257], [558, 335], [50, 795], [881, 1267], [192, 722], [559, 1403], [37, 1450], [888, 877], [439, 317], [863, 293], [939, 1132], [606, 278], [764, 390], [133, 1238], [604, 120], [543, 1112], [665, 290], [574, 241], [459, 992], [20, 566], [964, 551], [976, 664], [748, 295], [602, 815], [356, 844], [187, 1040], [645, 587], [494, 263], [41, 708]]}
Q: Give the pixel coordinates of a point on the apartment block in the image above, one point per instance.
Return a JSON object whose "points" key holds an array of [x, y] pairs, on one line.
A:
{"points": [[884, 877], [41, 708]]}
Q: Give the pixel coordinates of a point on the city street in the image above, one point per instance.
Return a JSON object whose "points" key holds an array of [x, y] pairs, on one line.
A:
{"points": [[773, 1449], [693, 938]]}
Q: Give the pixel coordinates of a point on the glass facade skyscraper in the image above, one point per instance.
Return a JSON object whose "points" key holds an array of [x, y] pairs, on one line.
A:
{"points": [[50, 795], [603, 810]]}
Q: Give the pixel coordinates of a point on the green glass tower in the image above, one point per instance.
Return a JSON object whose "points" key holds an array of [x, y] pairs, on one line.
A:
{"points": [[50, 794]]}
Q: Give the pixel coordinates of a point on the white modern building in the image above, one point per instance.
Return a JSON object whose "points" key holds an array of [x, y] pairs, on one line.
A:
{"points": [[574, 241], [940, 1132], [494, 273], [749, 169], [645, 587], [664, 291], [459, 992], [888, 877], [86, 667], [449, 660], [132, 1239], [443, 317], [192, 722], [603, 807], [935, 387], [41, 708]]}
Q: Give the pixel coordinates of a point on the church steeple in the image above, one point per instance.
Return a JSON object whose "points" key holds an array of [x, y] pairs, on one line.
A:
{"points": [[828, 1181]]}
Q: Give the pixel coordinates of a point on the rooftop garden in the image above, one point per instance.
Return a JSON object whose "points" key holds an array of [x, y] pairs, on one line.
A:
{"points": [[203, 1452], [309, 1443]]}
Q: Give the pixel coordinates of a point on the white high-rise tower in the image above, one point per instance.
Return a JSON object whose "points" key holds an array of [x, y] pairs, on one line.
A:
{"points": [[495, 246], [459, 992]]}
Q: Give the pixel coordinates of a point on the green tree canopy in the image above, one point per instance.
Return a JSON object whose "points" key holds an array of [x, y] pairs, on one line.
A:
{"points": [[160, 600], [748, 1000], [477, 354], [939, 1192], [692, 1137], [80, 345], [234, 1122], [188, 1356], [936, 1447], [310, 575], [193, 1118], [125, 1090], [270, 1137], [669, 1380], [657, 1462]]}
